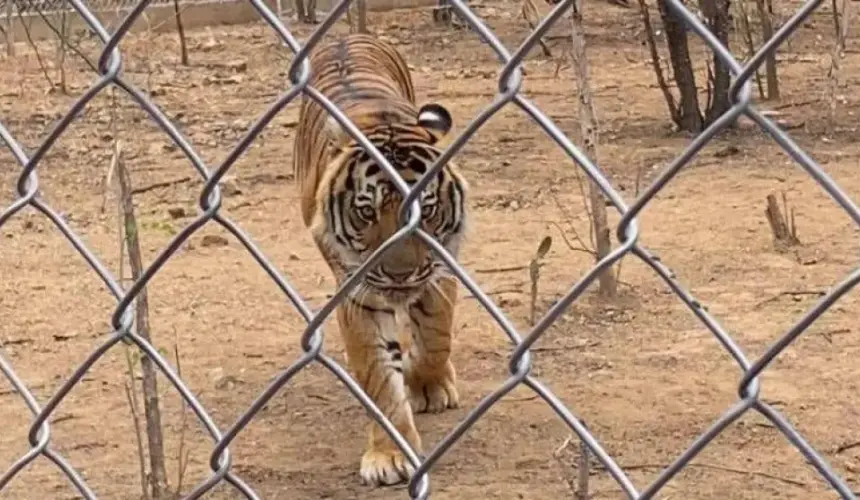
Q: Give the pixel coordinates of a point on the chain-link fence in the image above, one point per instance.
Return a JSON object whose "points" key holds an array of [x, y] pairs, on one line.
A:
{"points": [[509, 83]]}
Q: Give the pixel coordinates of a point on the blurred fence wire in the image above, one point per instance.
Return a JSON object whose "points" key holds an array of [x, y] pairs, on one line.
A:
{"points": [[509, 83]]}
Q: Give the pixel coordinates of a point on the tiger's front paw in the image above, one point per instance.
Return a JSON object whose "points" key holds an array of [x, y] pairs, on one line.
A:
{"points": [[433, 395], [385, 467]]}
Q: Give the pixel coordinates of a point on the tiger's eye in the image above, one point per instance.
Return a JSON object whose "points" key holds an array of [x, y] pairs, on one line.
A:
{"points": [[427, 211], [366, 213]]}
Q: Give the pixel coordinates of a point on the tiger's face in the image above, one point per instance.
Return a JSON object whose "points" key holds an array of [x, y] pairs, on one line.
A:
{"points": [[358, 205]]}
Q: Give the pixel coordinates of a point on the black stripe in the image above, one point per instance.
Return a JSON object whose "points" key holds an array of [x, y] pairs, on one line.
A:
{"points": [[368, 308], [453, 220], [419, 306], [338, 227], [334, 212]]}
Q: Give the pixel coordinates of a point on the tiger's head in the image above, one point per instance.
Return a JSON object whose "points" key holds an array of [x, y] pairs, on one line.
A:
{"points": [[357, 205]]}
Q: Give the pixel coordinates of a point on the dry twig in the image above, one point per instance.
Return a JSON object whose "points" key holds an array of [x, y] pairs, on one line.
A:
{"points": [[836, 54], [765, 12], [159, 185], [588, 123], [816, 293], [133, 404], [35, 48], [782, 223], [183, 454], [180, 29], [534, 276], [847, 446], [699, 465], [157, 479], [655, 62]]}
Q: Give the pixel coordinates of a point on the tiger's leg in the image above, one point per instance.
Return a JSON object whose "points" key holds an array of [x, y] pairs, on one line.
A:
{"points": [[375, 360], [430, 375]]}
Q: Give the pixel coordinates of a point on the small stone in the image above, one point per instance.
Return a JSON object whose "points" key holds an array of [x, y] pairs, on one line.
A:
{"points": [[176, 212], [214, 240], [230, 188], [238, 65], [727, 151], [226, 382]]}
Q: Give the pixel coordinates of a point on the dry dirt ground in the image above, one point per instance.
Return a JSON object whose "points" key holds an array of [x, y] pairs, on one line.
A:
{"points": [[642, 372]]}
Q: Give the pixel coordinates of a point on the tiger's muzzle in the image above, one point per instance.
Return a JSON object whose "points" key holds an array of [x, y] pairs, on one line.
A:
{"points": [[399, 284]]}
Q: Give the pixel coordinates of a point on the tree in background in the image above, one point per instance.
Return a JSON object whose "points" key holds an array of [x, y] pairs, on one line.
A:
{"points": [[687, 112]]}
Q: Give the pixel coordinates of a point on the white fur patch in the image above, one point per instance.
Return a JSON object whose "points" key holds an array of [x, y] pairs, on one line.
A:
{"points": [[333, 129], [429, 116]]}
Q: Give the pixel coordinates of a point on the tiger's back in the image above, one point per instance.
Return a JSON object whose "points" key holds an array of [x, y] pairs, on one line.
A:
{"points": [[364, 78]]}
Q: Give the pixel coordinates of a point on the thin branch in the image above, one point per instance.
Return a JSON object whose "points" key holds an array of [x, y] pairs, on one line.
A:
{"points": [[65, 40], [159, 185], [655, 63], [130, 231], [180, 28], [8, 33], [847, 446], [569, 244], [35, 48], [183, 453], [583, 469], [135, 416], [746, 35], [494, 270], [568, 216], [816, 293], [698, 465]]}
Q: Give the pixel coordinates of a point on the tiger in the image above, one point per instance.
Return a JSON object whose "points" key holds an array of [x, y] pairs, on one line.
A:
{"points": [[350, 207]]}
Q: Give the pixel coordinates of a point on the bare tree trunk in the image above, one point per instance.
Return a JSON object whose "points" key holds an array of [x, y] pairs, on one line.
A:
{"points": [[746, 34], [717, 14], [311, 11], [362, 15], [158, 473], [588, 125], [834, 7], [674, 113], [765, 13], [679, 53], [180, 28], [61, 52], [835, 63], [9, 30], [301, 14], [152, 413]]}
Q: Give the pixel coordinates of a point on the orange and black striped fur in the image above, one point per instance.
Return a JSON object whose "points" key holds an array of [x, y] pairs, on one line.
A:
{"points": [[351, 208]]}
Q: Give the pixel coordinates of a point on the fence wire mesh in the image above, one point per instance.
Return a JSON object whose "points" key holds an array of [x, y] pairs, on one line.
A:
{"points": [[510, 81]]}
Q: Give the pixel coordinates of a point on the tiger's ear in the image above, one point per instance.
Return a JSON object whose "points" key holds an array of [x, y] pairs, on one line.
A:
{"points": [[435, 119], [337, 136]]}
